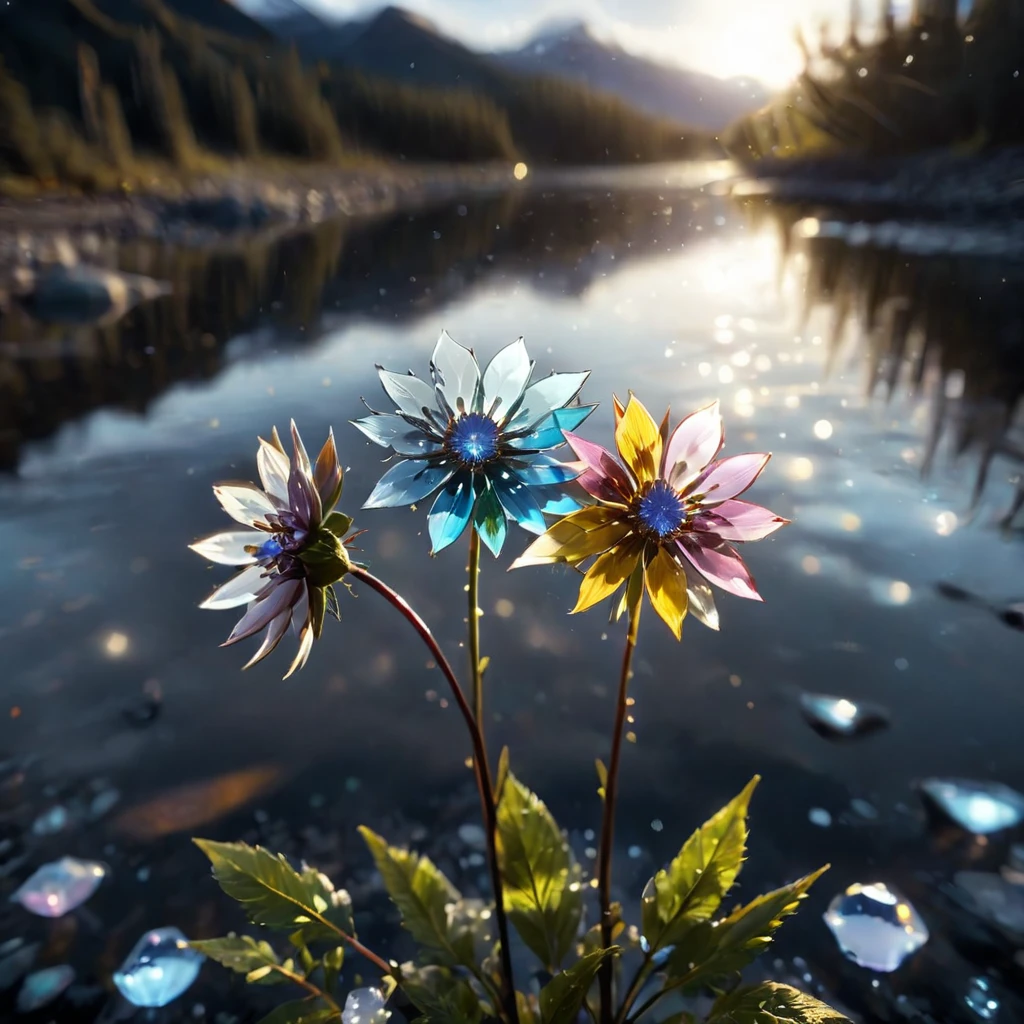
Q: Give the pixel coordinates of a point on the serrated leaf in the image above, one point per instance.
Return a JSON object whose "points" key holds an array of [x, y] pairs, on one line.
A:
{"points": [[562, 997], [772, 1003], [711, 951], [275, 895], [302, 1011], [423, 895], [332, 961], [443, 997], [543, 891], [705, 869], [240, 953]]}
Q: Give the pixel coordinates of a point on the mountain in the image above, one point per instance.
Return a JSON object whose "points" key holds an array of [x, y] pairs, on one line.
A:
{"points": [[570, 50]]}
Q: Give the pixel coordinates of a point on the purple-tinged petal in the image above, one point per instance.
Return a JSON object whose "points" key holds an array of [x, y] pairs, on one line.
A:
{"points": [[303, 497], [328, 475], [275, 631], [282, 596], [273, 466], [694, 443], [727, 478], [245, 503], [738, 520], [230, 548], [603, 475], [240, 589], [716, 561]]}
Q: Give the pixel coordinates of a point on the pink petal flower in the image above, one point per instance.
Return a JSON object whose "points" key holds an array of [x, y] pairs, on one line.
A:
{"points": [[694, 443], [602, 477], [728, 477], [738, 520], [719, 563]]}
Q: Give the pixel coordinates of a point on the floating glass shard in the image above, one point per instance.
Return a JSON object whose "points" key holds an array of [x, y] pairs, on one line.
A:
{"points": [[365, 1006], [42, 987], [820, 817], [57, 888], [980, 999], [159, 969], [16, 963], [978, 807], [839, 717], [875, 927]]}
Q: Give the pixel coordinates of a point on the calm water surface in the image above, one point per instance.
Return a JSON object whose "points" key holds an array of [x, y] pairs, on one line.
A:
{"points": [[112, 438]]}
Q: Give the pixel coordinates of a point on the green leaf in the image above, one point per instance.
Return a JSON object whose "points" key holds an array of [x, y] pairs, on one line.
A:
{"points": [[443, 997], [543, 891], [527, 1008], [332, 961], [710, 951], [338, 523], [771, 1003], [592, 939], [423, 895], [240, 953], [602, 777], [702, 873], [277, 896], [502, 774], [302, 1011], [562, 997]]}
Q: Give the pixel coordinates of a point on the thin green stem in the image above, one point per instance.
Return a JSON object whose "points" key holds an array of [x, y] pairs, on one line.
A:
{"points": [[305, 983], [474, 632], [481, 771], [611, 789]]}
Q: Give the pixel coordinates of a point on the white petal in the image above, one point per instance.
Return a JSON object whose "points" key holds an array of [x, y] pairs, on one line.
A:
{"points": [[283, 594], [245, 503], [305, 646], [506, 376], [273, 467], [229, 548], [238, 590], [456, 375]]}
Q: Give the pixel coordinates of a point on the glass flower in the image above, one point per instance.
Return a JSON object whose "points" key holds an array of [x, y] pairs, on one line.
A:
{"points": [[477, 440], [292, 546], [666, 508]]}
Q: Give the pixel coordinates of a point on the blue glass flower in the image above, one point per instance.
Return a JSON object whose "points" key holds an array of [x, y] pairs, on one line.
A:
{"points": [[478, 439]]}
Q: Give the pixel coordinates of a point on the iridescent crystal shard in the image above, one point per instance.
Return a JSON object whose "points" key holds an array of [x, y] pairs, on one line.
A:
{"points": [[978, 807], [57, 888], [875, 927], [160, 968], [365, 1006], [839, 717], [42, 987]]}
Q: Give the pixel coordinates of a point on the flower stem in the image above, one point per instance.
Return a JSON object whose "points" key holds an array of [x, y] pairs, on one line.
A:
{"points": [[611, 788], [474, 633], [481, 771]]}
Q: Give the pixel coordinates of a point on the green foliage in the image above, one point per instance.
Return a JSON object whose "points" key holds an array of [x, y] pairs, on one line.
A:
{"points": [[771, 1003], [562, 997], [302, 1011], [442, 996], [277, 896], [543, 890], [244, 955], [693, 886]]}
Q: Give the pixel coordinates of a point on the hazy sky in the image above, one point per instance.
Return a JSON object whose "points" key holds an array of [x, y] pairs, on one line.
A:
{"points": [[724, 37]]}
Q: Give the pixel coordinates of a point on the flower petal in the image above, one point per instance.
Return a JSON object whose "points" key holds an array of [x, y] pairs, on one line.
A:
{"points": [[245, 503], [302, 655], [272, 464], [229, 548], [666, 587], [412, 396], [543, 471], [603, 477], [240, 589], [451, 512], [720, 563], [549, 433], [738, 520], [544, 397], [381, 427], [407, 482], [303, 497], [456, 375], [328, 475], [518, 501], [608, 573], [639, 441], [579, 535], [415, 444], [489, 518], [506, 376], [727, 478], [694, 443], [275, 631], [282, 595], [557, 502], [701, 603]]}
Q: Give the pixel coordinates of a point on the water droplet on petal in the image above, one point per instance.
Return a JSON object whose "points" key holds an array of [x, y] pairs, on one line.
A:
{"points": [[159, 969], [57, 888], [980, 999], [365, 1006], [838, 717], [42, 987], [978, 807], [875, 927]]}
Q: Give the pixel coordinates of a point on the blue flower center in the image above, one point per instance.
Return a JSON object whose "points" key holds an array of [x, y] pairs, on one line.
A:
{"points": [[269, 549], [473, 438], [661, 511]]}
